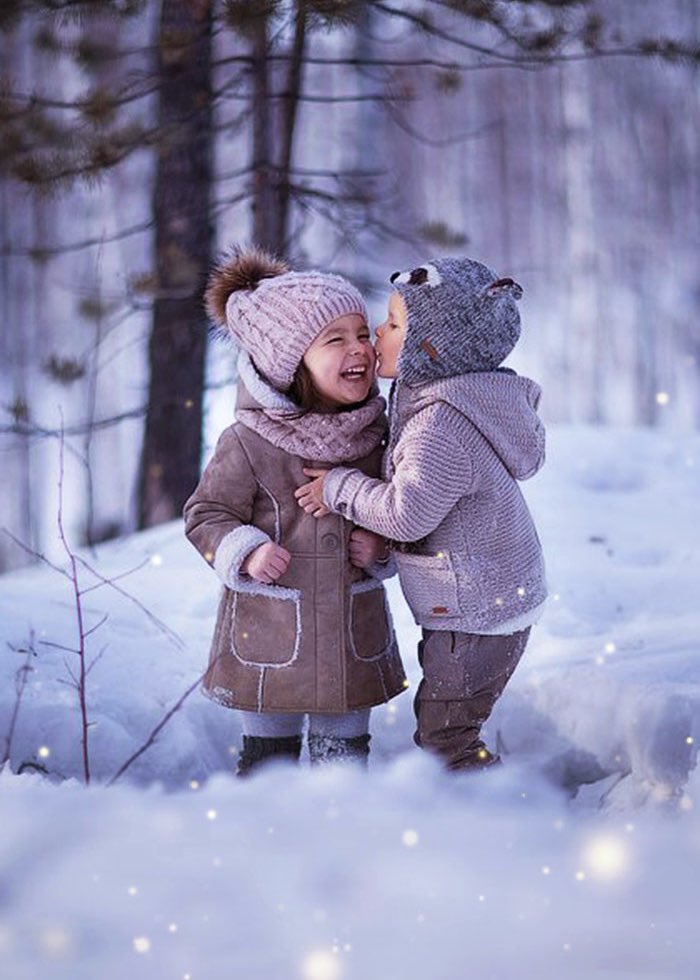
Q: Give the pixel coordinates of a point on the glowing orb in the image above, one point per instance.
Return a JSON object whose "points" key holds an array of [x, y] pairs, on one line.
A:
{"points": [[409, 838], [142, 944], [606, 856], [320, 965]]}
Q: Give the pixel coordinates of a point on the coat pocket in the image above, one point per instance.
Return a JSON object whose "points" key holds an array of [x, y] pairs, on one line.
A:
{"points": [[266, 625], [429, 584], [371, 632]]}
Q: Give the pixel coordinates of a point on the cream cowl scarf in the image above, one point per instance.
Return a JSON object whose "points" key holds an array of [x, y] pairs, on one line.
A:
{"points": [[333, 437]]}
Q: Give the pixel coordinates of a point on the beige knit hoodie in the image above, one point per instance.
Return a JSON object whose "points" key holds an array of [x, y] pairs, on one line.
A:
{"points": [[458, 446]]}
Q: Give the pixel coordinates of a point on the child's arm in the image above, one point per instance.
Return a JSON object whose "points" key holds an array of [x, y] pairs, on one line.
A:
{"points": [[218, 518], [372, 552], [367, 548], [432, 470]]}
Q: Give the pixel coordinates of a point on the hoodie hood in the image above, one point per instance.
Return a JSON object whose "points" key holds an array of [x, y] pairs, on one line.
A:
{"points": [[501, 405]]}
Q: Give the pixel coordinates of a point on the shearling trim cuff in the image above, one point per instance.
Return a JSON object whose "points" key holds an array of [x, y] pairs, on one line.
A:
{"points": [[233, 549]]}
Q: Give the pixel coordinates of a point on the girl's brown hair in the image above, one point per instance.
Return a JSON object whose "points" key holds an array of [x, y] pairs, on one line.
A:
{"points": [[303, 391]]}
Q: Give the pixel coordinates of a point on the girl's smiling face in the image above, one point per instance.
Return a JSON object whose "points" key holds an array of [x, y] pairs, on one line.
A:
{"points": [[390, 337], [341, 362]]}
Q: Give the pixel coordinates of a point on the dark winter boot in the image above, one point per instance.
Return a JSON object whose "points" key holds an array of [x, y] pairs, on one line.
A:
{"points": [[333, 748], [257, 751], [477, 757]]}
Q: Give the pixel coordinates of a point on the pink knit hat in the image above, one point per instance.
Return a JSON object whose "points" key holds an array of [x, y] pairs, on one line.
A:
{"points": [[273, 313]]}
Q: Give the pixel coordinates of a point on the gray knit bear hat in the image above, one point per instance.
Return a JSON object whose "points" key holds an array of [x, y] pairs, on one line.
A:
{"points": [[461, 318]]}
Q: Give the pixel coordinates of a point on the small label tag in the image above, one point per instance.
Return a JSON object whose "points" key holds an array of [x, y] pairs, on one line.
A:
{"points": [[429, 350], [440, 610]]}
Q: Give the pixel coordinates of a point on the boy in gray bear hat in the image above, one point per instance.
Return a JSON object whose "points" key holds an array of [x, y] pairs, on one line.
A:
{"points": [[463, 432]]}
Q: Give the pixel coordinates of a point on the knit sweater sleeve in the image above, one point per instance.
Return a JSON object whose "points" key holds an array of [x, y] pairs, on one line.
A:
{"points": [[218, 515], [432, 470]]}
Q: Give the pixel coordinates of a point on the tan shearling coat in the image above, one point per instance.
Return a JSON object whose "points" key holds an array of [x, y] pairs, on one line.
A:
{"points": [[320, 639]]}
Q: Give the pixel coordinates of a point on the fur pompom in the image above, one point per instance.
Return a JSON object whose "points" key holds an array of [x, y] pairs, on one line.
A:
{"points": [[240, 269]]}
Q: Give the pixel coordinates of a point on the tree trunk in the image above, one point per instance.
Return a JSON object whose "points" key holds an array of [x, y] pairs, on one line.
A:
{"points": [[183, 242], [263, 173], [290, 106]]}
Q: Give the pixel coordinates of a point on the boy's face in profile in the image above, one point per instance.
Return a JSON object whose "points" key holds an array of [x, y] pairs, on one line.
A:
{"points": [[390, 337]]}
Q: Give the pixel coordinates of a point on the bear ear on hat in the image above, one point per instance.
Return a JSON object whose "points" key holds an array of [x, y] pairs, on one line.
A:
{"points": [[504, 287], [418, 277], [241, 269]]}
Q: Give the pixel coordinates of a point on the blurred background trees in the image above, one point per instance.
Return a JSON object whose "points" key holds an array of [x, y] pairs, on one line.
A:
{"points": [[556, 140]]}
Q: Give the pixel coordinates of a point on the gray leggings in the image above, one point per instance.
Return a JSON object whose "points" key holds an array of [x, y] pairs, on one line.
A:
{"points": [[267, 725]]}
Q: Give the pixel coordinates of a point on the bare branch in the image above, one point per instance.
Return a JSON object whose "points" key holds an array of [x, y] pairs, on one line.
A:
{"points": [[40, 253], [156, 731], [58, 646], [97, 625], [81, 682], [27, 429], [172, 636], [34, 553], [21, 679], [74, 680], [31, 100], [115, 578], [96, 659], [464, 137]]}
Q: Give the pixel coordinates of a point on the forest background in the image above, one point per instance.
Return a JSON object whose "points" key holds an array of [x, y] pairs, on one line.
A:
{"points": [[555, 140]]}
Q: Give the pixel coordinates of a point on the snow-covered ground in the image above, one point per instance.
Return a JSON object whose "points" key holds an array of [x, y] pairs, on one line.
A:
{"points": [[577, 858]]}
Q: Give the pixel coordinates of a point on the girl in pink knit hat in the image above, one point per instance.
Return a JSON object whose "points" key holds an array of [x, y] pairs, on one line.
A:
{"points": [[303, 629], [464, 432]]}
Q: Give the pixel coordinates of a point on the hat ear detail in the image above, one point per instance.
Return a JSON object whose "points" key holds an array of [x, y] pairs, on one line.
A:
{"points": [[508, 286], [419, 276]]}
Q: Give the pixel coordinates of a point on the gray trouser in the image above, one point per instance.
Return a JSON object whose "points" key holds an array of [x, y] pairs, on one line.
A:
{"points": [[277, 725], [464, 674]]}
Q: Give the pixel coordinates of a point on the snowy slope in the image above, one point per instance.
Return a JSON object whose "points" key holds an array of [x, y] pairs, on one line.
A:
{"points": [[578, 858]]}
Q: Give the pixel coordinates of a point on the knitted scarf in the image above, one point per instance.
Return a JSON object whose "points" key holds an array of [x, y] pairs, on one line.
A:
{"points": [[333, 437]]}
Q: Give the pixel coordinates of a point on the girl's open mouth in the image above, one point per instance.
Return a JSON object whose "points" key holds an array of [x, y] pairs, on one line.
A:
{"points": [[354, 374]]}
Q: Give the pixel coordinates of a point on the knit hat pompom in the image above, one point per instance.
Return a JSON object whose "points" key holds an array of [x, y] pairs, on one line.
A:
{"points": [[241, 269], [273, 313]]}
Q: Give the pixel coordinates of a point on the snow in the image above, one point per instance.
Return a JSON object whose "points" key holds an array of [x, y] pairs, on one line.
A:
{"points": [[578, 857]]}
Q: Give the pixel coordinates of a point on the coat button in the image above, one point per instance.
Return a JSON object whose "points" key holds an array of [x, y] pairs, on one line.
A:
{"points": [[329, 542]]}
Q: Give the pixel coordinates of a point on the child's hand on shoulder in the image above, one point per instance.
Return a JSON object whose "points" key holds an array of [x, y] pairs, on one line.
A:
{"points": [[267, 562], [366, 548]]}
